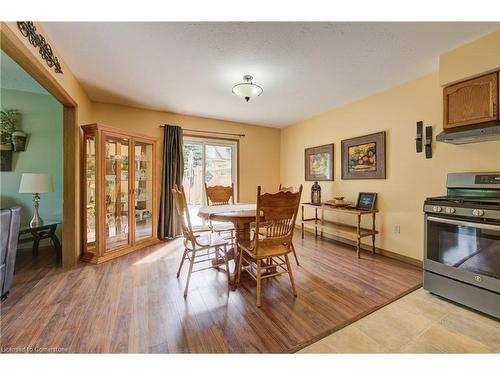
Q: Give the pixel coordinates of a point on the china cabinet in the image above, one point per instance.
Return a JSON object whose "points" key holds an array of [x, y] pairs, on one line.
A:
{"points": [[118, 192]]}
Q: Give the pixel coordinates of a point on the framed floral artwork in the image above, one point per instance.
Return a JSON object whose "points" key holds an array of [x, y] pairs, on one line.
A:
{"points": [[319, 163]]}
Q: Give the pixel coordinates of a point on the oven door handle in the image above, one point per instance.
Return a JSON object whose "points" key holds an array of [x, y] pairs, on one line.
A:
{"points": [[464, 223]]}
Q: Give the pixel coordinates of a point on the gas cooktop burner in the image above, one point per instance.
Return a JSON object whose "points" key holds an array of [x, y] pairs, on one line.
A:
{"points": [[466, 200], [470, 195]]}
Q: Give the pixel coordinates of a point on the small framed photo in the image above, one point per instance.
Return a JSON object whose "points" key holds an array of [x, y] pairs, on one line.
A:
{"points": [[319, 163], [366, 201]]}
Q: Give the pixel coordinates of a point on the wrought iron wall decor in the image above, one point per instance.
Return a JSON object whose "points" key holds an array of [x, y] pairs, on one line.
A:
{"points": [[418, 140], [28, 30], [428, 142]]}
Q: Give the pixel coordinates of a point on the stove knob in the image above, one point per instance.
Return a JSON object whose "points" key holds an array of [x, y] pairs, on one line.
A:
{"points": [[450, 210], [437, 208], [477, 212]]}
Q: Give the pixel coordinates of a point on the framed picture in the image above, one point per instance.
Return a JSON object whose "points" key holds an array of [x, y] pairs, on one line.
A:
{"points": [[366, 201], [319, 163], [364, 157]]}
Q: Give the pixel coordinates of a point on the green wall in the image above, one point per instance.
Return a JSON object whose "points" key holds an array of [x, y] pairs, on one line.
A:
{"points": [[42, 119]]}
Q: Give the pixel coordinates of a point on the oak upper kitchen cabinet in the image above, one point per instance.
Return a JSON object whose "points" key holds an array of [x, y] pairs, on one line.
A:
{"points": [[118, 192], [473, 101]]}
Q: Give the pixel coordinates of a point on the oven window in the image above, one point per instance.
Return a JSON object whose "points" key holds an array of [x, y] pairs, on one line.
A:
{"points": [[469, 248]]}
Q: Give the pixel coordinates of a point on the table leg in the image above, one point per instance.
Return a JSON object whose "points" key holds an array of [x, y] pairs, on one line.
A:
{"points": [[242, 231], [48, 232], [55, 241], [358, 247], [57, 245], [322, 221], [36, 244], [316, 223], [373, 236], [302, 223]]}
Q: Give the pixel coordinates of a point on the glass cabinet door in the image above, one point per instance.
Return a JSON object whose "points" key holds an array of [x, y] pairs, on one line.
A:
{"points": [[90, 192], [116, 192], [143, 189]]}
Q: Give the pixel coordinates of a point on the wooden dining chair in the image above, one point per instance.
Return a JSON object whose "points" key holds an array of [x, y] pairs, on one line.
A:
{"points": [[198, 248], [267, 256], [291, 189], [216, 196]]}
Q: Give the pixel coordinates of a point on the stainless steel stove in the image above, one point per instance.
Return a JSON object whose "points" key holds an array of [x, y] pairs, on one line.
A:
{"points": [[462, 242]]}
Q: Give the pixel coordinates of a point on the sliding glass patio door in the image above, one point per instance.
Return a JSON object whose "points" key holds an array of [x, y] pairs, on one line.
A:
{"points": [[210, 161]]}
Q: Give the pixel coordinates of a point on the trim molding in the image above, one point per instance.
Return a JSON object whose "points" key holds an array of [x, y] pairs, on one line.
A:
{"points": [[19, 51], [387, 253], [298, 347]]}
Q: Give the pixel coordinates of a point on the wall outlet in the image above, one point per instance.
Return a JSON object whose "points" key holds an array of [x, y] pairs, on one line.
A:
{"points": [[397, 229]]}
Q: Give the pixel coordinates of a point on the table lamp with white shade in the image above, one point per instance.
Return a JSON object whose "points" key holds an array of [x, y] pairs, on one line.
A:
{"points": [[36, 183]]}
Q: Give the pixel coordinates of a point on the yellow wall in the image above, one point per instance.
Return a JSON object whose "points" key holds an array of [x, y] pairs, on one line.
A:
{"points": [[259, 149], [258, 154], [410, 177], [470, 60], [266, 153]]}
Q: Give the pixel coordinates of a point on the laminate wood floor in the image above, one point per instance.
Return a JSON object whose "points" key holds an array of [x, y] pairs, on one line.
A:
{"points": [[135, 303]]}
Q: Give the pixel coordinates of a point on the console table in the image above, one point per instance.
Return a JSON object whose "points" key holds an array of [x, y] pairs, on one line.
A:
{"points": [[356, 231], [41, 232]]}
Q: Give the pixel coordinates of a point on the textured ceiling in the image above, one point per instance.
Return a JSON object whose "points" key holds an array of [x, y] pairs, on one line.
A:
{"points": [[304, 68]]}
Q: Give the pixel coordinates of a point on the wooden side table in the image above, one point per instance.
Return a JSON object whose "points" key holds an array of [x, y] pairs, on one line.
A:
{"points": [[356, 231], [41, 232]]}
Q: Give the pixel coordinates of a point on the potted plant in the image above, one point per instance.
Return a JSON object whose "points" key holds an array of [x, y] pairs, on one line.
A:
{"points": [[8, 124], [9, 118]]}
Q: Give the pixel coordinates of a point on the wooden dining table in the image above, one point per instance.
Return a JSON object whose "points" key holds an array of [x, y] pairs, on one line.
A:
{"points": [[241, 215]]}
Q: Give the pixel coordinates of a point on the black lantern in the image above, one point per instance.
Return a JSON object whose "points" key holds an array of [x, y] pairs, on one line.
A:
{"points": [[316, 194]]}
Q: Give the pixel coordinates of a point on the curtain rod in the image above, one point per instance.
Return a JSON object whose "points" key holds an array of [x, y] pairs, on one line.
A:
{"points": [[210, 132]]}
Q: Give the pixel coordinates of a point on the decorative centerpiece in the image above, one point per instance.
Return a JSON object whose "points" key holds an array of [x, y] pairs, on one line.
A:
{"points": [[338, 202], [316, 194]]}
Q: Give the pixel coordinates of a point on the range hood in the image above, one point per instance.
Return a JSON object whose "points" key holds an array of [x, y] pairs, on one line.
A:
{"points": [[489, 131]]}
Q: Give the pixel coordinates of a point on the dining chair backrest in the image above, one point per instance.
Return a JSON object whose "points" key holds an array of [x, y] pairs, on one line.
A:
{"points": [[218, 195], [279, 212], [291, 189], [183, 211]]}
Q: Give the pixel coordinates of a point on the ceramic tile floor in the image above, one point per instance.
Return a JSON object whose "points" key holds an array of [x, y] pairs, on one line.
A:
{"points": [[417, 323]]}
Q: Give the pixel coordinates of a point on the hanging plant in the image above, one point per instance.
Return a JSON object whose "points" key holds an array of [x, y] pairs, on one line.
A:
{"points": [[9, 119]]}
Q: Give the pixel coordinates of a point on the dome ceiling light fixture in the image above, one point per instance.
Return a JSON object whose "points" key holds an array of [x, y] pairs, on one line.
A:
{"points": [[247, 90]]}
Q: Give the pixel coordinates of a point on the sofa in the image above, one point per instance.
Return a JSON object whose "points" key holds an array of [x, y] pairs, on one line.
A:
{"points": [[10, 219]]}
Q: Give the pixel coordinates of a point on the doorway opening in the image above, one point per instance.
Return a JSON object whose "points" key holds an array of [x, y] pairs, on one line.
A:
{"points": [[211, 161], [32, 162]]}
